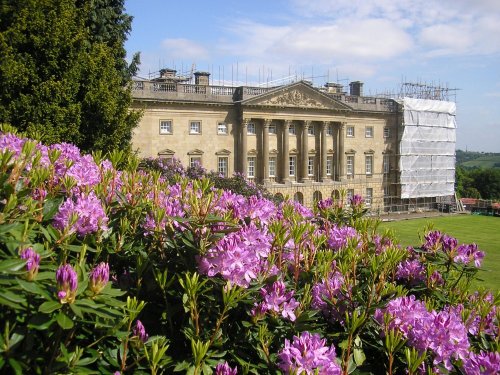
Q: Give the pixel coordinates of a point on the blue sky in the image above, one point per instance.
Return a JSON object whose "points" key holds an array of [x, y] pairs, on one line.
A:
{"points": [[452, 43]]}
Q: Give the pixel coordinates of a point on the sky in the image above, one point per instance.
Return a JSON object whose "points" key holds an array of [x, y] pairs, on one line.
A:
{"points": [[383, 43]]}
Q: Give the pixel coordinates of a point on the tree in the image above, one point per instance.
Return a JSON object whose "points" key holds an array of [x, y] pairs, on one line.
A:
{"points": [[63, 74]]}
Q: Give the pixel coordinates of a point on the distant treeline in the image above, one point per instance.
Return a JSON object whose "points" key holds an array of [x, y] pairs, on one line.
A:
{"points": [[478, 183], [473, 159]]}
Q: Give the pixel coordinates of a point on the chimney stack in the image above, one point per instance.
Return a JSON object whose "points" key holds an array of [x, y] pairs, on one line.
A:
{"points": [[356, 88]]}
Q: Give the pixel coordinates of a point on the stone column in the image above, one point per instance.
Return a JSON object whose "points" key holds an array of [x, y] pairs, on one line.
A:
{"points": [[265, 150], [285, 152], [341, 153], [322, 175], [305, 150], [244, 149]]}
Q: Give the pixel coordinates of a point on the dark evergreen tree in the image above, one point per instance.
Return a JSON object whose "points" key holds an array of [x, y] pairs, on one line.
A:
{"points": [[63, 73]]}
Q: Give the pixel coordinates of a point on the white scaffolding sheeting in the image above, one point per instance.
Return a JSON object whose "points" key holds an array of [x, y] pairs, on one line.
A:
{"points": [[427, 148]]}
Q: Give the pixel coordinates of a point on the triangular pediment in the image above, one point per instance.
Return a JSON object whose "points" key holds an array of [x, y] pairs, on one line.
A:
{"points": [[166, 151], [296, 95]]}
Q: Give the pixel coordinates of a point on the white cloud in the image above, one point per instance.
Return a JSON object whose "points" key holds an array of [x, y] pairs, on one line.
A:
{"points": [[184, 49]]}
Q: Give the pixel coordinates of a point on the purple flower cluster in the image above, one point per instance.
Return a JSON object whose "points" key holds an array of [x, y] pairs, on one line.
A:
{"points": [[465, 254], [411, 271], [277, 300], [483, 363], [171, 204], [99, 277], [308, 354], [442, 332], [327, 296], [338, 237], [239, 257], [32, 262], [225, 369], [67, 282], [356, 200], [139, 331], [88, 211]]}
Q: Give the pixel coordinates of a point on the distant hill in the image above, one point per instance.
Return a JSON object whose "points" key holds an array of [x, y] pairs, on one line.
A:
{"points": [[472, 159]]}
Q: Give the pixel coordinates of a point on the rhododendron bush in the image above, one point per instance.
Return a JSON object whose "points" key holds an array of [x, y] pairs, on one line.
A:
{"points": [[127, 271]]}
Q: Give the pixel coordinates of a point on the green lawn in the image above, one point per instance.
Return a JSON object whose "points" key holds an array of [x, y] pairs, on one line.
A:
{"points": [[483, 230]]}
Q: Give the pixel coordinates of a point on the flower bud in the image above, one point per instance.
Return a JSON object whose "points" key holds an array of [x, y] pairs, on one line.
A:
{"points": [[32, 262], [140, 332], [67, 282], [99, 277]]}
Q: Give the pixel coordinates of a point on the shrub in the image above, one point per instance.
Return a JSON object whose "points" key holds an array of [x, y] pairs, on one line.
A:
{"points": [[105, 270]]}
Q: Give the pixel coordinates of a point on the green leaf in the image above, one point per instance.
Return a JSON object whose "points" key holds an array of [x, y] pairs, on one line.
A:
{"points": [[12, 265], [33, 287], [359, 356], [16, 366], [64, 321], [76, 310], [40, 322], [14, 297], [49, 306], [51, 207]]}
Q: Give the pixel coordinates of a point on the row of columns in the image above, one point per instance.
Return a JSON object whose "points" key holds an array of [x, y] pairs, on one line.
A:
{"points": [[285, 166]]}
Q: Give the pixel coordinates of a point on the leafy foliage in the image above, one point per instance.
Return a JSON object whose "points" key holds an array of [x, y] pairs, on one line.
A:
{"points": [[63, 71], [105, 270]]}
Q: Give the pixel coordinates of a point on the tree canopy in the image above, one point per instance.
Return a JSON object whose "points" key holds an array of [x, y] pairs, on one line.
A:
{"points": [[63, 73]]}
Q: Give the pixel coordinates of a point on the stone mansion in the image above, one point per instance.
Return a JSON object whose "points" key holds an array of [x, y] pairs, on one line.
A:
{"points": [[300, 141]]}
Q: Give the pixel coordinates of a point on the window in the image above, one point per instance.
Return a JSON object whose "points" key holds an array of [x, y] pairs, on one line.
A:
{"points": [[291, 129], [387, 191], [272, 166], [387, 132], [369, 164], [350, 165], [221, 128], [310, 165], [329, 165], [369, 132], [251, 167], [222, 165], [165, 126], [310, 130], [386, 164], [292, 161], [194, 161], [272, 129], [195, 127], [251, 128], [350, 131], [368, 196], [329, 130]]}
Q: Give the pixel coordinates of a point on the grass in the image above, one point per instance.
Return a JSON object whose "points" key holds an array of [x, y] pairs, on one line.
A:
{"points": [[483, 230], [486, 161]]}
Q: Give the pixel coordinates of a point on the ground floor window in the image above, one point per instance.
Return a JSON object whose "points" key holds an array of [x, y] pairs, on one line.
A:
{"points": [[222, 166], [251, 167]]}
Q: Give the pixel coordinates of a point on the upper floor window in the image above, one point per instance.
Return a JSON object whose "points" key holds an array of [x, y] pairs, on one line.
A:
{"points": [[329, 165], [165, 126], [310, 130], [291, 129], [272, 166], [221, 128], [329, 129], [222, 165], [310, 166], [350, 165], [195, 127], [369, 164], [251, 128], [387, 132], [350, 131], [386, 164], [369, 132], [292, 161], [272, 129], [251, 167]]}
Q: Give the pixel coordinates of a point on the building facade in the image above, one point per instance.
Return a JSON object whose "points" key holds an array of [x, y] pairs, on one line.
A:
{"points": [[300, 141]]}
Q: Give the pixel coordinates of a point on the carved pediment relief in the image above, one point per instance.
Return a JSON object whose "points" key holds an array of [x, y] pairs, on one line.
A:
{"points": [[294, 98], [330, 151], [273, 152], [223, 152], [293, 151], [297, 95], [195, 152], [165, 152], [252, 152]]}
